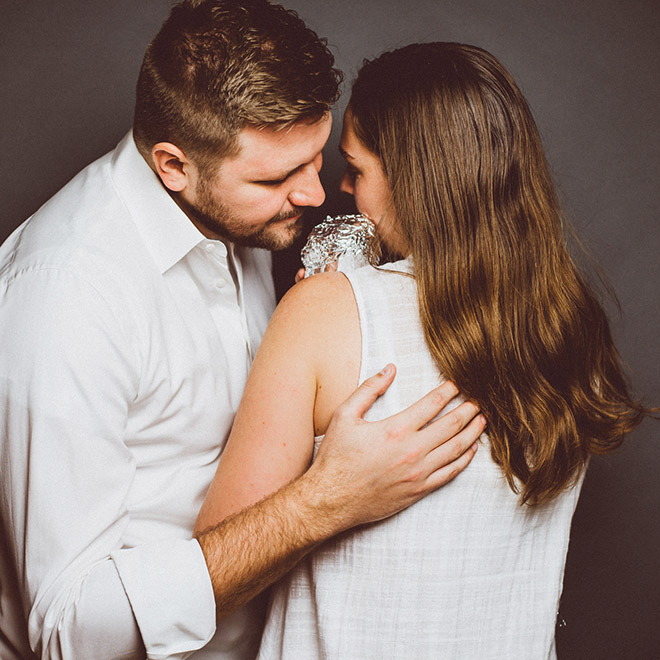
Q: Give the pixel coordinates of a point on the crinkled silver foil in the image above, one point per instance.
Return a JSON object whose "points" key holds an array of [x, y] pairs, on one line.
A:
{"points": [[348, 240]]}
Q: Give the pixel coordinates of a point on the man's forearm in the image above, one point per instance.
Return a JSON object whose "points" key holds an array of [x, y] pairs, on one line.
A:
{"points": [[249, 551]]}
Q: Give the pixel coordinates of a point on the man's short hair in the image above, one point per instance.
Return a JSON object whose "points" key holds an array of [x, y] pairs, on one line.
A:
{"points": [[217, 66]]}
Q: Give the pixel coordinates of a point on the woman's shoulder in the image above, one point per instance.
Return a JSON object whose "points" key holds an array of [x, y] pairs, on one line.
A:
{"points": [[331, 295], [318, 316], [314, 299]]}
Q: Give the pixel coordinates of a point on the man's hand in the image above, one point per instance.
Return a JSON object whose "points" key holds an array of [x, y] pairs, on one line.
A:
{"points": [[366, 471], [329, 268]]}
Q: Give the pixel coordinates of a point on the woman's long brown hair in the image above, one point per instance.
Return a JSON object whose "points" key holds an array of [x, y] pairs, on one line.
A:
{"points": [[506, 314]]}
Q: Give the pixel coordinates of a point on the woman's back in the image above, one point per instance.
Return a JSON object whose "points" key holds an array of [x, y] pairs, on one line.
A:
{"points": [[465, 573]]}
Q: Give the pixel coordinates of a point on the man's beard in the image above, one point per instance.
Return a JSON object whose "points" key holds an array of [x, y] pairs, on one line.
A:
{"points": [[275, 234]]}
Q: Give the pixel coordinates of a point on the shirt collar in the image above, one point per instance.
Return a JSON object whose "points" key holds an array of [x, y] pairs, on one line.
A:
{"points": [[167, 231]]}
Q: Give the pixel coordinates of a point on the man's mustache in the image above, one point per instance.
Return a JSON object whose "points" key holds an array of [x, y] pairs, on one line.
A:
{"points": [[296, 211]]}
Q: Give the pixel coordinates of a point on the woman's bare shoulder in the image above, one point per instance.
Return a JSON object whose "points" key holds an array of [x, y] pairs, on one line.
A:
{"points": [[320, 295]]}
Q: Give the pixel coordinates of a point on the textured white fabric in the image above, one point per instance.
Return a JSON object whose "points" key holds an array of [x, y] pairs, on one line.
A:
{"points": [[126, 341], [465, 573]]}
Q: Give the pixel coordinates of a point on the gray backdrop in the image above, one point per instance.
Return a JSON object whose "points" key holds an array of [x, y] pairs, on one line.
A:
{"points": [[588, 69]]}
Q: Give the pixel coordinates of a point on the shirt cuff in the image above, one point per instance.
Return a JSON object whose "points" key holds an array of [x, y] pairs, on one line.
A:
{"points": [[170, 591]]}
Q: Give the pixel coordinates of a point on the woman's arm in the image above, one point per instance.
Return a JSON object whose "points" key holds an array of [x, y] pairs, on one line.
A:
{"points": [[307, 364]]}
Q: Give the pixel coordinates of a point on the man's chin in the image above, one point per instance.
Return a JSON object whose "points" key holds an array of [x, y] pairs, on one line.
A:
{"points": [[282, 234], [275, 237]]}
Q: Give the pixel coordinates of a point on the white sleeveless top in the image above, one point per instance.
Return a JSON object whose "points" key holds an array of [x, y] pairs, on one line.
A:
{"points": [[464, 573]]}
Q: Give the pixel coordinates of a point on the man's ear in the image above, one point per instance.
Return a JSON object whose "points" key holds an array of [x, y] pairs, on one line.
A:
{"points": [[172, 166]]}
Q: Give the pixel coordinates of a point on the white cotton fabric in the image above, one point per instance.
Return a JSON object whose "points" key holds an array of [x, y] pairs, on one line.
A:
{"points": [[466, 573], [126, 342]]}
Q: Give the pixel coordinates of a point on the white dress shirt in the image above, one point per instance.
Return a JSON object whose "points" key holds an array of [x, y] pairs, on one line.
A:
{"points": [[126, 341]]}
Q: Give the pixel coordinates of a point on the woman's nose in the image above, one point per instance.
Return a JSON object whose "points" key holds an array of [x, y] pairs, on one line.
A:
{"points": [[346, 183]]}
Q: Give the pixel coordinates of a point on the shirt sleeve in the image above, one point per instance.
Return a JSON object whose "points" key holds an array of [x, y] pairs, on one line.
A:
{"points": [[68, 376]]}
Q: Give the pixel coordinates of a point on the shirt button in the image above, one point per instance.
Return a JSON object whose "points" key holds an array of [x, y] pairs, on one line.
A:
{"points": [[220, 284], [209, 247]]}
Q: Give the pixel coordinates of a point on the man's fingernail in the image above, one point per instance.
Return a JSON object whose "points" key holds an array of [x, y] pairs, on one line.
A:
{"points": [[386, 370]]}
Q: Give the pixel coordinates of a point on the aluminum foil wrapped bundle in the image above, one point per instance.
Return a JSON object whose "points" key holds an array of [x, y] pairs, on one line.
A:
{"points": [[348, 240]]}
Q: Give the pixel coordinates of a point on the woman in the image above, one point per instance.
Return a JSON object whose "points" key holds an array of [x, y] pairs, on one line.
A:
{"points": [[443, 154]]}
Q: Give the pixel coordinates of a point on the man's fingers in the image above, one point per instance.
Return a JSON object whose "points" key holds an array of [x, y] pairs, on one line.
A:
{"points": [[452, 451], [445, 473], [363, 398], [300, 275], [449, 427], [423, 411]]}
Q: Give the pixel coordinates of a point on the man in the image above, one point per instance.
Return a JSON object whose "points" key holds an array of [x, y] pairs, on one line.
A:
{"points": [[131, 305]]}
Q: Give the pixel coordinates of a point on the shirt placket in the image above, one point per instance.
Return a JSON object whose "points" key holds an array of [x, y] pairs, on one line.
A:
{"points": [[224, 293], [236, 266]]}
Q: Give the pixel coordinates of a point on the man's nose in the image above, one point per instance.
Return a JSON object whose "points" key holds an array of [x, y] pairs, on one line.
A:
{"points": [[308, 190]]}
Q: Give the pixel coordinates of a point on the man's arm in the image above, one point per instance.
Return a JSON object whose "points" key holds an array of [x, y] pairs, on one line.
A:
{"points": [[67, 379], [364, 471]]}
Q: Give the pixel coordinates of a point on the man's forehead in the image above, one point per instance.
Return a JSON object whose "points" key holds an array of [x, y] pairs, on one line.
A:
{"points": [[281, 146]]}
